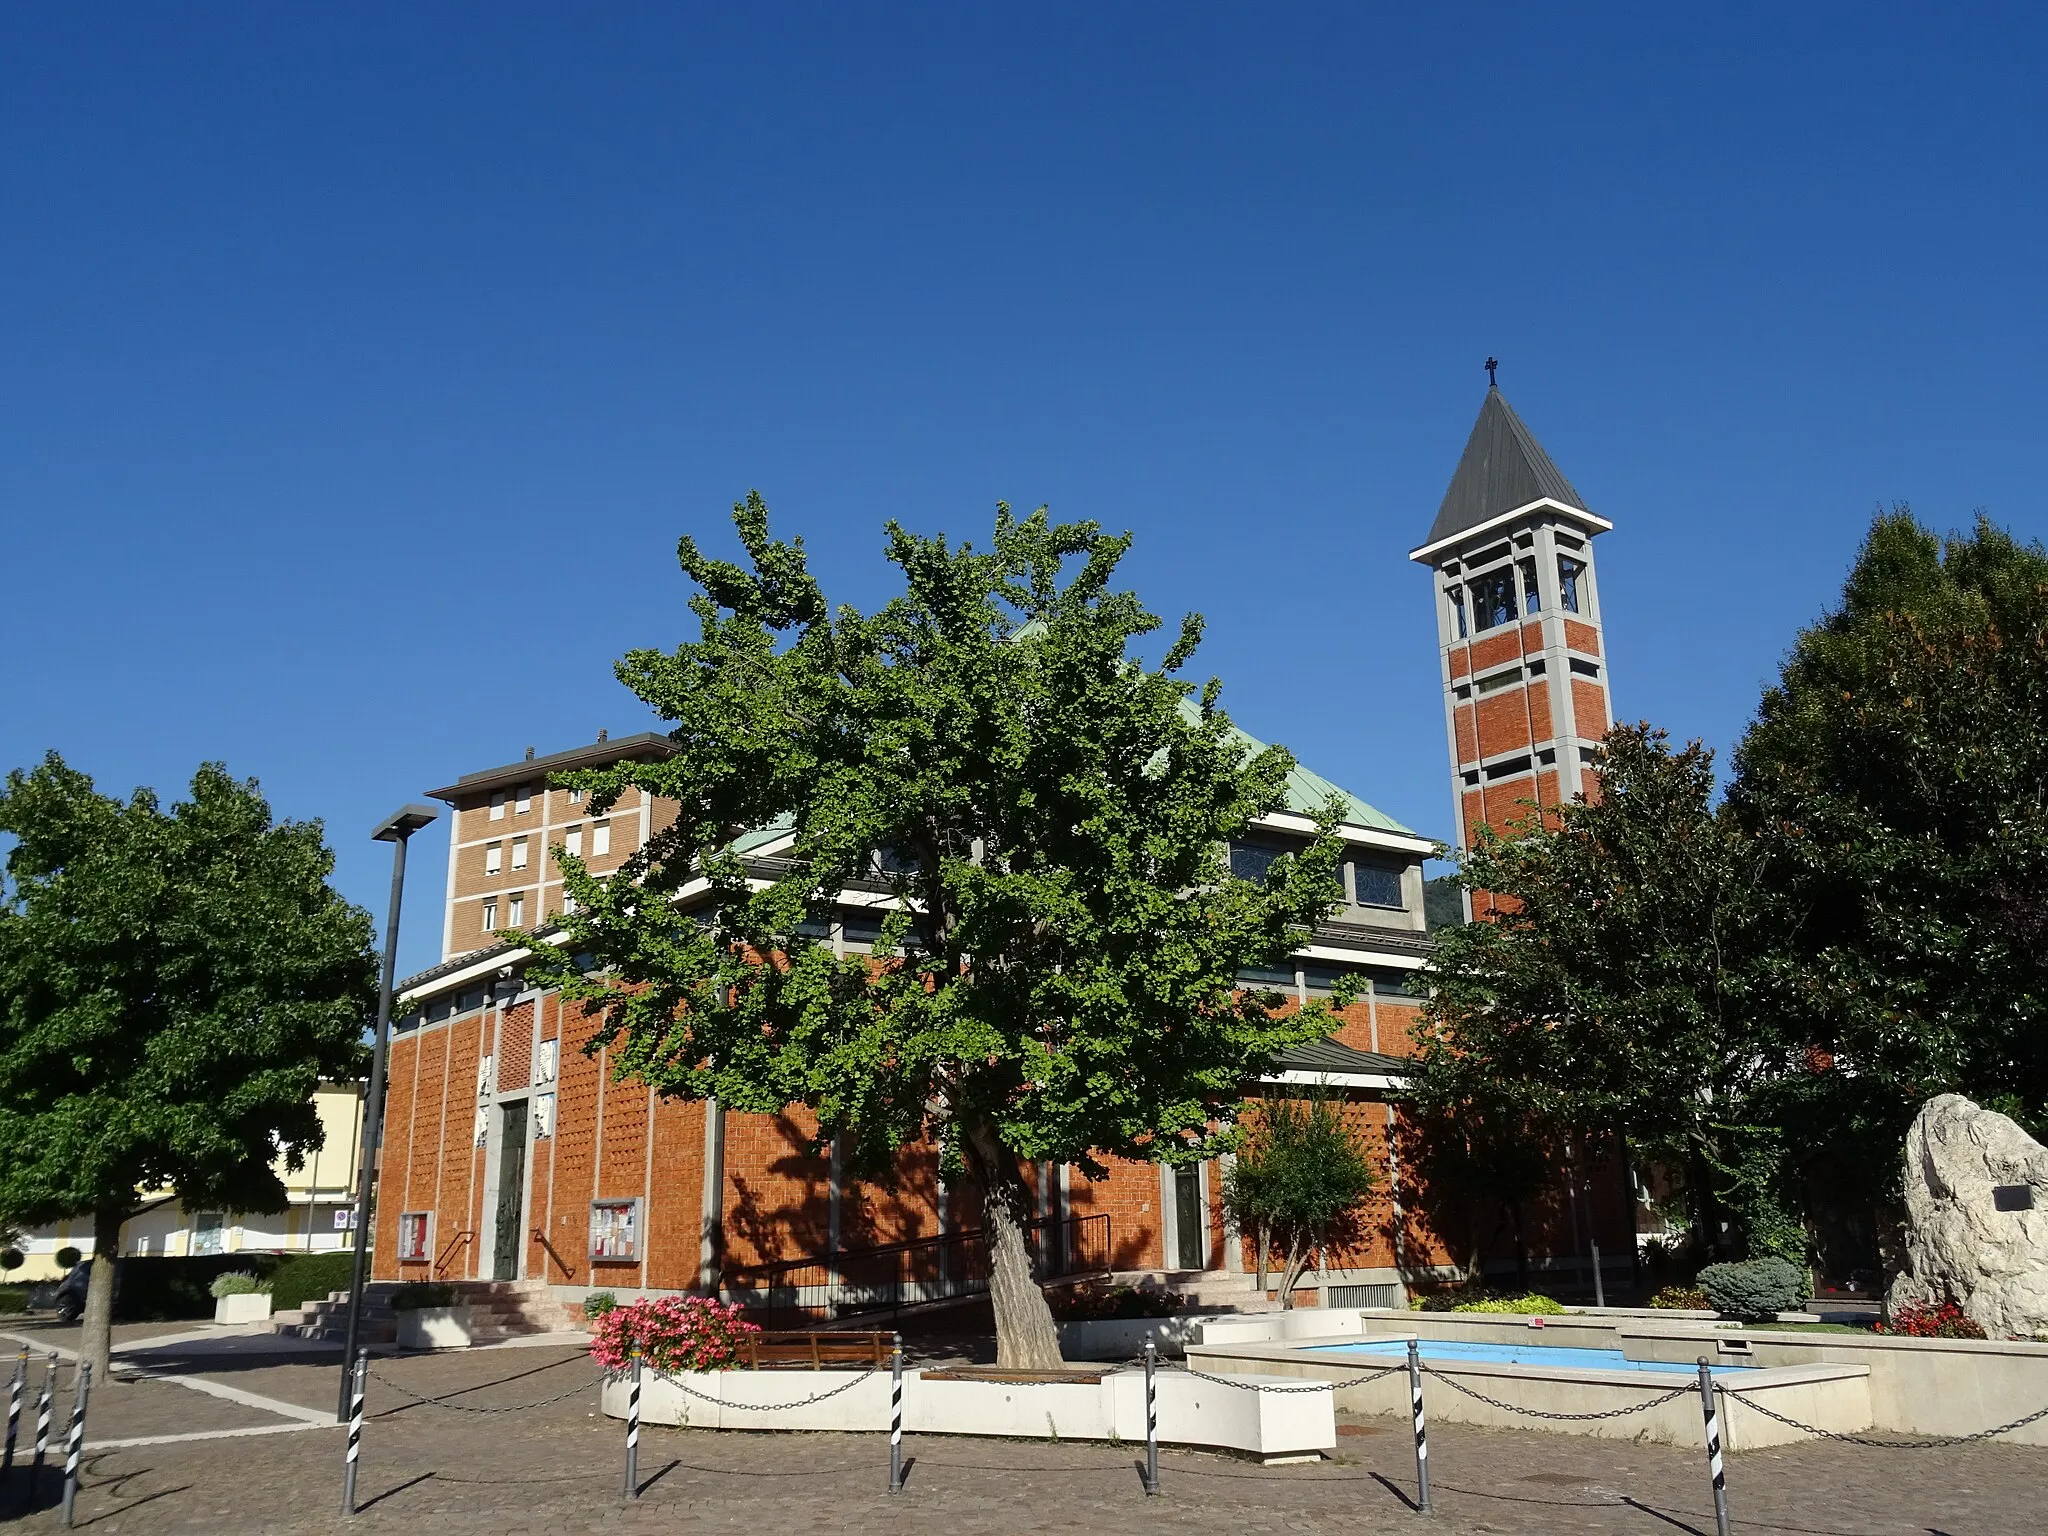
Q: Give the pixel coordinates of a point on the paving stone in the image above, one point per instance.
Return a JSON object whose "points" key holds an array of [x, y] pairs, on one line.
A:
{"points": [[429, 1471]]}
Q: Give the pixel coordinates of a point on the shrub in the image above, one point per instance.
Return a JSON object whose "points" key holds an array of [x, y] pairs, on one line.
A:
{"points": [[68, 1256], [1113, 1303], [1479, 1299], [237, 1282], [1925, 1320], [1754, 1288], [1687, 1298], [676, 1333], [420, 1295], [11, 1258], [597, 1303], [13, 1299], [310, 1277]]}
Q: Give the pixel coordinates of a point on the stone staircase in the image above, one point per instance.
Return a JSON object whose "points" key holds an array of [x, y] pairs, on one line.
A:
{"points": [[327, 1320], [504, 1309], [498, 1310], [1206, 1290]]}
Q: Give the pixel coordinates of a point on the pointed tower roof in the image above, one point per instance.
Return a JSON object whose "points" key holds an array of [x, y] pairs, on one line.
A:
{"points": [[1504, 468]]}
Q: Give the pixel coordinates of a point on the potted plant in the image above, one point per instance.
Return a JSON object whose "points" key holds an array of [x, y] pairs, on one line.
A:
{"points": [[240, 1297], [429, 1317]]}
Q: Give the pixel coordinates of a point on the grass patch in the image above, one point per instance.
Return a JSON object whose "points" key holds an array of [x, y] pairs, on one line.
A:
{"points": [[1799, 1328]]}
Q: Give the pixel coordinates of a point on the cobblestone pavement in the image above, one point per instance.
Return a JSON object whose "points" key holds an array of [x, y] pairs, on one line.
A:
{"points": [[558, 1469]]}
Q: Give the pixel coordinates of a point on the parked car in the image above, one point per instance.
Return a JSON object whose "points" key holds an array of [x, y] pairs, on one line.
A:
{"points": [[67, 1297]]}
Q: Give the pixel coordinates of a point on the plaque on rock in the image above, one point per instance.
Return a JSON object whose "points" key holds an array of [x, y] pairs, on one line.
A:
{"points": [[2012, 1197]]}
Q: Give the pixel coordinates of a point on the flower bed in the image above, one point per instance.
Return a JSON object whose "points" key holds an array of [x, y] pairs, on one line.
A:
{"points": [[1927, 1321], [672, 1334]]}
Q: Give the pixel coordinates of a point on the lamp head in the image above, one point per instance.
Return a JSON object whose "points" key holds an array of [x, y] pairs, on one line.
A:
{"points": [[401, 824]]}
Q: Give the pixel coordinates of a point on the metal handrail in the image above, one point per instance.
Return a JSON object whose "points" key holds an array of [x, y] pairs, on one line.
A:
{"points": [[467, 1235]]}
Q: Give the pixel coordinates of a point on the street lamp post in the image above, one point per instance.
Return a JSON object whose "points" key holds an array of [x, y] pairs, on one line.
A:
{"points": [[395, 830]]}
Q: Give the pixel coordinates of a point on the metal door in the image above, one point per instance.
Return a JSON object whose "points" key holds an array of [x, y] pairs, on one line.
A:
{"points": [[1191, 1228], [511, 1191]]}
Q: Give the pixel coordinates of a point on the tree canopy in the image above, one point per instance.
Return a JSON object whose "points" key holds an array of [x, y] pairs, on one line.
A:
{"points": [[173, 987], [1044, 816]]}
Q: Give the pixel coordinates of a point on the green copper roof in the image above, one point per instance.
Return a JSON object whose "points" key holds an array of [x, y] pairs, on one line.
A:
{"points": [[1308, 792]]}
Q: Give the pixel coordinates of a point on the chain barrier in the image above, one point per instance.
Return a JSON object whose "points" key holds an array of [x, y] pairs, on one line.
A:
{"points": [[1254, 1386], [778, 1407], [1537, 1413], [1933, 1443], [453, 1407]]}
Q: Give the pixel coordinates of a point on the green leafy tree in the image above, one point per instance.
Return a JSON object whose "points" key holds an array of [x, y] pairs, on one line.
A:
{"points": [[1621, 990], [1896, 780], [1299, 1182], [1058, 980], [173, 986]]}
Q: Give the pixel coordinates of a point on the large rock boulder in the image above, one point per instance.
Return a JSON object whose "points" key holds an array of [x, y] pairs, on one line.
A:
{"points": [[1976, 1218]]}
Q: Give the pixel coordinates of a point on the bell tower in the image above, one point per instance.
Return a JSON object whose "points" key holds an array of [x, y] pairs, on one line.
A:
{"points": [[1524, 660]]}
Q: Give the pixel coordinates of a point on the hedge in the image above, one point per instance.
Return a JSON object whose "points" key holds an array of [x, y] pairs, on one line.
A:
{"points": [[178, 1289], [310, 1277]]}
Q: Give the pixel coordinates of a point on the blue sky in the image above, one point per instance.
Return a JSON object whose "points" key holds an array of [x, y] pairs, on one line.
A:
{"points": [[363, 364]]}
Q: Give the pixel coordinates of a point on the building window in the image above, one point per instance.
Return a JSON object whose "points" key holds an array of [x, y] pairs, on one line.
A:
{"points": [[1321, 980], [1532, 596], [494, 858], [615, 1231], [1585, 668], [600, 838], [1493, 599], [568, 904], [490, 923], [498, 806], [516, 915], [1267, 976], [1458, 609], [572, 842], [1396, 986], [412, 1236], [575, 797], [1375, 885], [1252, 859], [1568, 573], [525, 802], [519, 853]]}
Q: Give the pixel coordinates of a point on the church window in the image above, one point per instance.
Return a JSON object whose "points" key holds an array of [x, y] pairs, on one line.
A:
{"points": [[1458, 608], [1532, 597], [1493, 599], [1568, 573], [1252, 860], [1375, 885]]}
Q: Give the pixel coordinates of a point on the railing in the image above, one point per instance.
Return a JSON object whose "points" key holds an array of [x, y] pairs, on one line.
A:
{"points": [[549, 1248], [886, 1279], [468, 1235]]}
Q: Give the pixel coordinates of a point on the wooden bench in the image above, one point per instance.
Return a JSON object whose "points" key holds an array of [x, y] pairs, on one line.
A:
{"points": [[816, 1351]]}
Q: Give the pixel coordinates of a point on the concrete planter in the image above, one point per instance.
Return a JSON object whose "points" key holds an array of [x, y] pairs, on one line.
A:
{"points": [[434, 1328], [1123, 1339], [1271, 1426], [250, 1307]]}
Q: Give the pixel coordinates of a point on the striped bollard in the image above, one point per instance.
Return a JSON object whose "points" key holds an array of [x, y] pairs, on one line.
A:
{"points": [[75, 1443], [1151, 1421], [355, 1432], [1721, 1526], [1422, 1504], [896, 1414], [43, 1409], [14, 1407], [633, 1431]]}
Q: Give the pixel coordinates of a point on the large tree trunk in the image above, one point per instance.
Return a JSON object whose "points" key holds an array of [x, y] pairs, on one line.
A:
{"points": [[1026, 1339], [1264, 1238], [98, 1331]]}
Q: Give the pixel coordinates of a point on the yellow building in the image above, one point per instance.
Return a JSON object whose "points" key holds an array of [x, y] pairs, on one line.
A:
{"points": [[321, 1195]]}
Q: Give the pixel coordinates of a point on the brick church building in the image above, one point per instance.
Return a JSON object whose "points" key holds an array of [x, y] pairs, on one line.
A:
{"points": [[511, 1154]]}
